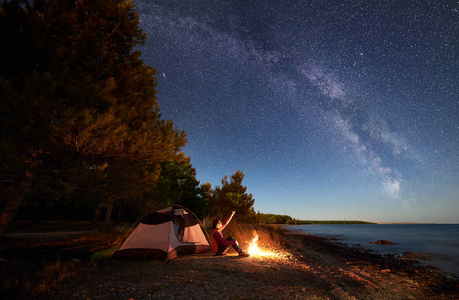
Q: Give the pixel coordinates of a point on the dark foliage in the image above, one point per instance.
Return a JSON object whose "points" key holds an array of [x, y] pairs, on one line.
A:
{"points": [[78, 109]]}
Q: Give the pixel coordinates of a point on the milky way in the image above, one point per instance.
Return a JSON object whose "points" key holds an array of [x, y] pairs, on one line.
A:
{"points": [[333, 109]]}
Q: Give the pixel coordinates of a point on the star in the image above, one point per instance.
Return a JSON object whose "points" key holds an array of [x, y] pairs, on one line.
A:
{"points": [[352, 104]]}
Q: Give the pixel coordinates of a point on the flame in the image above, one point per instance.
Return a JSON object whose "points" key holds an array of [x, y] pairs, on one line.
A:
{"points": [[253, 247], [255, 251]]}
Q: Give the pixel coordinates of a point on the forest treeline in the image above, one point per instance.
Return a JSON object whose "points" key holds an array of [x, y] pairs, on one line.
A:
{"points": [[284, 219], [326, 222], [81, 133]]}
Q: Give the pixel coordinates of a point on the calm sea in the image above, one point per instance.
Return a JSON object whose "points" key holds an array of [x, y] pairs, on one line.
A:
{"points": [[439, 241]]}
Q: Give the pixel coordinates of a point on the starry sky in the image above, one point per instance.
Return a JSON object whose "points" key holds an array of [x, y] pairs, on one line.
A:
{"points": [[343, 110]]}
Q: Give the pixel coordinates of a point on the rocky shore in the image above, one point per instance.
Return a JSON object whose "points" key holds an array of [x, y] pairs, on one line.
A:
{"points": [[306, 267]]}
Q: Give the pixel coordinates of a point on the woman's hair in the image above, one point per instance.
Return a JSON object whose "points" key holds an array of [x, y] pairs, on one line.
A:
{"points": [[214, 223]]}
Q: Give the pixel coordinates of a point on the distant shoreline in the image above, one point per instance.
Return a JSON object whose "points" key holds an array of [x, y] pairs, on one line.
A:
{"points": [[413, 223], [328, 222], [366, 223]]}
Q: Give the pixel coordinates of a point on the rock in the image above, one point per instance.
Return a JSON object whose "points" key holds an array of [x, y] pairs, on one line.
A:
{"points": [[384, 242], [412, 255]]}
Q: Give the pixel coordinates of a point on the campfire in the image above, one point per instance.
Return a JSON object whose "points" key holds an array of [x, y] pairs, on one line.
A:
{"points": [[255, 251]]}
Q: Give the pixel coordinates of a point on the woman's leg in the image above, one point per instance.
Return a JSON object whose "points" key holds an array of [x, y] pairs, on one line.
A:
{"points": [[236, 246], [222, 248]]}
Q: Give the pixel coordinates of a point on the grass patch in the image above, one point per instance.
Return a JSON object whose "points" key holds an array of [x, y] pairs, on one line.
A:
{"points": [[35, 278], [55, 273], [32, 265]]}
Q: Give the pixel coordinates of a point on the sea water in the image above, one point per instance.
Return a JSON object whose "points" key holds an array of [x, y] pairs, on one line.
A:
{"points": [[440, 242]]}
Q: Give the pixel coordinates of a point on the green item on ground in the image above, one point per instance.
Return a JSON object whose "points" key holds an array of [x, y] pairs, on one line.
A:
{"points": [[103, 254]]}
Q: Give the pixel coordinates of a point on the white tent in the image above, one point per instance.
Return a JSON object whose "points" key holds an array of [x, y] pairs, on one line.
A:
{"points": [[165, 234]]}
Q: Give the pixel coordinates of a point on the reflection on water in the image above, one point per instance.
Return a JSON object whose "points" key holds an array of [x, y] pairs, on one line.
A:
{"points": [[437, 241]]}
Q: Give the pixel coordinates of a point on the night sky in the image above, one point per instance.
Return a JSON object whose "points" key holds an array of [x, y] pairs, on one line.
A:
{"points": [[332, 109]]}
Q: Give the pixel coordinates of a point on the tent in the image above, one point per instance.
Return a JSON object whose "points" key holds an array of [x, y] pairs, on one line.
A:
{"points": [[165, 234]]}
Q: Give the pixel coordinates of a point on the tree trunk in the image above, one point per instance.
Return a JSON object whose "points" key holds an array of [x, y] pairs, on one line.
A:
{"points": [[12, 205], [119, 214], [108, 215], [9, 212], [96, 216]]}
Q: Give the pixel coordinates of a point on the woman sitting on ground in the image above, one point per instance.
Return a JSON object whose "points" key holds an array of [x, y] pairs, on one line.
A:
{"points": [[221, 245]]}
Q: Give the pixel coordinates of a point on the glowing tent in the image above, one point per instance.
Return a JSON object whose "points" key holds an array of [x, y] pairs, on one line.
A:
{"points": [[165, 234]]}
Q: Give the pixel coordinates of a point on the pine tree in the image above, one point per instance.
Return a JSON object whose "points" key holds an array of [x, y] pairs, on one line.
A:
{"points": [[178, 185], [80, 108], [231, 196]]}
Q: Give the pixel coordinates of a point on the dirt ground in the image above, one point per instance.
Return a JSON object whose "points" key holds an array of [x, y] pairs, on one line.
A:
{"points": [[307, 268]]}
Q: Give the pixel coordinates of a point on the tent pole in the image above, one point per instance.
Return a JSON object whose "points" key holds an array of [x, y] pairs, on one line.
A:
{"points": [[209, 240], [169, 234]]}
